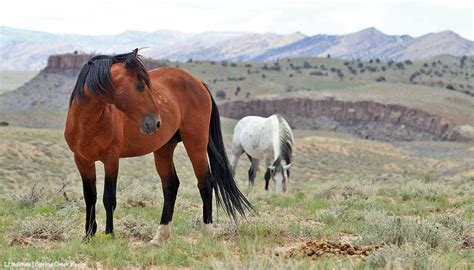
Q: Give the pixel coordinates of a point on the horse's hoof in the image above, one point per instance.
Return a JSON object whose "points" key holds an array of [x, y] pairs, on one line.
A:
{"points": [[110, 234], [86, 239], [163, 234], [208, 230]]}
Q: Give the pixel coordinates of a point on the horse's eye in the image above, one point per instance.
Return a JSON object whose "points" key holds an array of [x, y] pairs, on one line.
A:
{"points": [[140, 86]]}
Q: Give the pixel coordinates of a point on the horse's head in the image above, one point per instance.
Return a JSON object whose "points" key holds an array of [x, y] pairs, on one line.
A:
{"points": [[132, 92], [280, 173], [121, 80]]}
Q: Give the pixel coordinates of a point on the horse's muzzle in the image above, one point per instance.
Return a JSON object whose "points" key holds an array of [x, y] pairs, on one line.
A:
{"points": [[149, 124]]}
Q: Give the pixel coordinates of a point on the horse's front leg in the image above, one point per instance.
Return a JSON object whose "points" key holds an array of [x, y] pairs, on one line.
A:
{"points": [[111, 167], [253, 171], [268, 174], [88, 175]]}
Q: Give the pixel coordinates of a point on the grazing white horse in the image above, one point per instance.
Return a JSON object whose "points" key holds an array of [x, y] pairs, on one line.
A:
{"points": [[269, 139]]}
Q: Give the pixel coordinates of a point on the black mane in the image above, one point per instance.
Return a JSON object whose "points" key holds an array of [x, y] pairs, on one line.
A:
{"points": [[96, 74]]}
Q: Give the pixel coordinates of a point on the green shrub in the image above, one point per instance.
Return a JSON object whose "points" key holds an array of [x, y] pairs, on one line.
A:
{"points": [[398, 231], [220, 95]]}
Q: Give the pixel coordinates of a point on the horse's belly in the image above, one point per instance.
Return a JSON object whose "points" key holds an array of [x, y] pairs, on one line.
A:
{"points": [[254, 153], [141, 146], [253, 149], [138, 144]]}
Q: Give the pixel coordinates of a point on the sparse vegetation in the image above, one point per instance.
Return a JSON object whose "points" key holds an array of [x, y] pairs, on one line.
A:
{"points": [[11, 80], [220, 95], [413, 199], [418, 217]]}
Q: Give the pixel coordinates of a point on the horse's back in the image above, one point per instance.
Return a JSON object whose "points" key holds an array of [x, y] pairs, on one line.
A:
{"points": [[249, 125], [184, 93], [178, 77], [255, 135]]}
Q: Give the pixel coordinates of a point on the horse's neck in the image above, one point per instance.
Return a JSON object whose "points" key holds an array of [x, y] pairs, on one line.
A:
{"points": [[92, 115]]}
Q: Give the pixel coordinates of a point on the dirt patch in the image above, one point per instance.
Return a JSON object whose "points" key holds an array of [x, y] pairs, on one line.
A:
{"points": [[318, 248]]}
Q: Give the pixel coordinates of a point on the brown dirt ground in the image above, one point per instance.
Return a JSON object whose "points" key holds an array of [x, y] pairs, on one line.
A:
{"points": [[318, 248]]}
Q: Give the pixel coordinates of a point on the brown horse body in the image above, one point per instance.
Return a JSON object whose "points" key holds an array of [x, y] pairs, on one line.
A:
{"points": [[137, 113]]}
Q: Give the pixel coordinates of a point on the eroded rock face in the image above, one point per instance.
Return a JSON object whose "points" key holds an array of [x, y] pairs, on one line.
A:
{"points": [[72, 61], [66, 61], [367, 119]]}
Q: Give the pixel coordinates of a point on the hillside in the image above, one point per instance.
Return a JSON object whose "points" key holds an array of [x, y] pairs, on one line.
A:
{"points": [[23, 49], [11, 80], [370, 43], [382, 169], [412, 200], [437, 91]]}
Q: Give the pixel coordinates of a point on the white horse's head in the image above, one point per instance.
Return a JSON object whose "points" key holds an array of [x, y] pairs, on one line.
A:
{"points": [[280, 174]]}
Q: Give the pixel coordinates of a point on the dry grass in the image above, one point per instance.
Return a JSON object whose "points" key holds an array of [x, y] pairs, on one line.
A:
{"points": [[57, 227], [11, 80], [411, 199]]}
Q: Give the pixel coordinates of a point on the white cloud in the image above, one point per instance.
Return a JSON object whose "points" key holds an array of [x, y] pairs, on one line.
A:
{"points": [[309, 17]]}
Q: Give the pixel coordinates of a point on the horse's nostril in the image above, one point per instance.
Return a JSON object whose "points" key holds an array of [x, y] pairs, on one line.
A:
{"points": [[158, 124]]}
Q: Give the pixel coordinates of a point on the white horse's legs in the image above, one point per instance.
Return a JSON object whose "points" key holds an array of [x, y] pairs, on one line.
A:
{"points": [[253, 171], [237, 151], [268, 162]]}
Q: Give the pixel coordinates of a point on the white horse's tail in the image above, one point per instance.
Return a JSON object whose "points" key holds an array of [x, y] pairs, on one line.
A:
{"points": [[286, 139]]}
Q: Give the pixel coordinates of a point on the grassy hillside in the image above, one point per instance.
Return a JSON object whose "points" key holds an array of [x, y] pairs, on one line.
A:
{"points": [[11, 80], [317, 77], [246, 80], [409, 204]]}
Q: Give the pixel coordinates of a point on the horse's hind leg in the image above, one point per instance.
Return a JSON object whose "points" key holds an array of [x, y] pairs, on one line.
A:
{"points": [[196, 147], [267, 177], [253, 170], [237, 151], [170, 184], [88, 175]]}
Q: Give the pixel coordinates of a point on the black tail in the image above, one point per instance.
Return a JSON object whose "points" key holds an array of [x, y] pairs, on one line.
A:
{"points": [[228, 195]]}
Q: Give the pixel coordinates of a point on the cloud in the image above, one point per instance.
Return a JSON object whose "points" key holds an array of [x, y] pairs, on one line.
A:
{"points": [[279, 16]]}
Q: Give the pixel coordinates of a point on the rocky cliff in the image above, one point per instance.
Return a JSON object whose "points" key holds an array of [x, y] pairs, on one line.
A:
{"points": [[66, 61], [73, 61], [367, 119]]}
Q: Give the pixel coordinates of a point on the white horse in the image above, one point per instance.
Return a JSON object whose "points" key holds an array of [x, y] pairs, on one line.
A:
{"points": [[269, 139]]}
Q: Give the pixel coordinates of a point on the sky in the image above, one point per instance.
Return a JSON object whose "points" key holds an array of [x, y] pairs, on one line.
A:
{"points": [[99, 17]]}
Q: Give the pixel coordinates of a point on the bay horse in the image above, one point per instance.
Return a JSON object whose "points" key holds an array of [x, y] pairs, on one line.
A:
{"points": [[118, 109], [270, 139]]}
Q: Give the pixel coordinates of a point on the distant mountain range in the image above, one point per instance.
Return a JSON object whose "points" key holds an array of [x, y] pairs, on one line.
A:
{"points": [[24, 49]]}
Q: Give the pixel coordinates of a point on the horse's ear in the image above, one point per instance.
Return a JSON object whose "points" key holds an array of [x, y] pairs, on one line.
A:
{"points": [[286, 167], [135, 53]]}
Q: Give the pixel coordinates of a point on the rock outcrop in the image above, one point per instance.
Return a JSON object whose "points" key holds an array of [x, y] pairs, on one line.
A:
{"points": [[367, 119], [66, 61], [73, 61]]}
